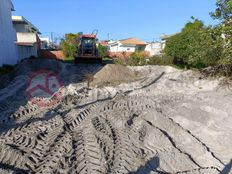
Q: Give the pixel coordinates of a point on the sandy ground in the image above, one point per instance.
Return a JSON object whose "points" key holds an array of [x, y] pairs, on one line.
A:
{"points": [[164, 121]]}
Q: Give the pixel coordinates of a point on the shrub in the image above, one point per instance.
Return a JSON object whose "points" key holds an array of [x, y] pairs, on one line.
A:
{"points": [[226, 30], [122, 61], [103, 51], [138, 58], [197, 46], [161, 60]]}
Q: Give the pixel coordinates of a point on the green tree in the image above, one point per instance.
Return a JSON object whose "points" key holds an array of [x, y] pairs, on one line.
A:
{"points": [[70, 44], [103, 51], [223, 11], [196, 46], [224, 14]]}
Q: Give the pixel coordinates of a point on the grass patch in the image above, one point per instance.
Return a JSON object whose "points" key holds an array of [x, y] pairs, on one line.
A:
{"points": [[69, 60], [106, 59]]}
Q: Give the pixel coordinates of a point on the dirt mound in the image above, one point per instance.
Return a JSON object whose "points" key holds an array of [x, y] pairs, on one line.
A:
{"points": [[32, 65], [112, 75], [28, 66]]}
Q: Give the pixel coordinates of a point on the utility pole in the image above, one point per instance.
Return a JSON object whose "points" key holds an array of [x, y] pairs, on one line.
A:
{"points": [[52, 37]]}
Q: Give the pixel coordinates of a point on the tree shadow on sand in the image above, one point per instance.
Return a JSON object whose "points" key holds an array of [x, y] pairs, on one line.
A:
{"points": [[227, 168], [13, 169], [150, 166]]}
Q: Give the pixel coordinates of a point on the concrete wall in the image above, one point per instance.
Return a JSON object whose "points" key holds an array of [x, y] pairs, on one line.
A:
{"points": [[8, 50]]}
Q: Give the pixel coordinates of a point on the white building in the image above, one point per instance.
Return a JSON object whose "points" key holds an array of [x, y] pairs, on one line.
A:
{"points": [[27, 37], [165, 37], [8, 51], [154, 48], [126, 45], [45, 43]]}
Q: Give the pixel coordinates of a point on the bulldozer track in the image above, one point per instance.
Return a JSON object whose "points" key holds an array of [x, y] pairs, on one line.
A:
{"points": [[123, 133], [89, 140], [87, 156]]}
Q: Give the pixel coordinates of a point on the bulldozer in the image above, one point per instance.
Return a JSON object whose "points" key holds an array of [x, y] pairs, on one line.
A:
{"points": [[87, 51]]}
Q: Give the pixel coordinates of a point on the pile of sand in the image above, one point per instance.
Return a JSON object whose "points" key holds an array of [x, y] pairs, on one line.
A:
{"points": [[112, 75]]}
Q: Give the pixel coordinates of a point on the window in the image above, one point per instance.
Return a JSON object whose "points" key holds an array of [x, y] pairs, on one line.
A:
{"points": [[140, 48], [88, 41]]}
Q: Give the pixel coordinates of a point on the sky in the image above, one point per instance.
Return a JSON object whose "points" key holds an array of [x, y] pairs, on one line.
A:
{"points": [[114, 19]]}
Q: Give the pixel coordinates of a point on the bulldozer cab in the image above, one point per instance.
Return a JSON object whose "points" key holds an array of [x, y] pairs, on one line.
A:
{"points": [[87, 49], [87, 45], [88, 41]]}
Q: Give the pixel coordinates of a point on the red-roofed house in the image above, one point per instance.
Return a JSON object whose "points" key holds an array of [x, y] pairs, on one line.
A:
{"points": [[104, 43], [125, 47]]}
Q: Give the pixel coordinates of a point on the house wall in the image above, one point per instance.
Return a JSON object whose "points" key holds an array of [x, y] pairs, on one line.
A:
{"points": [[8, 51], [155, 48], [118, 47], [45, 43], [164, 44], [127, 48], [26, 37], [27, 51], [22, 25], [23, 28], [24, 50], [113, 48], [122, 49]]}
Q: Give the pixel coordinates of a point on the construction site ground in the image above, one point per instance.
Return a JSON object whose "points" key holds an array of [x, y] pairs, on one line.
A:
{"points": [[123, 120]]}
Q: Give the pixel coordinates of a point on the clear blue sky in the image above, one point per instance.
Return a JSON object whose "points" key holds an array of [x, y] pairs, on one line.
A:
{"points": [[145, 19]]}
